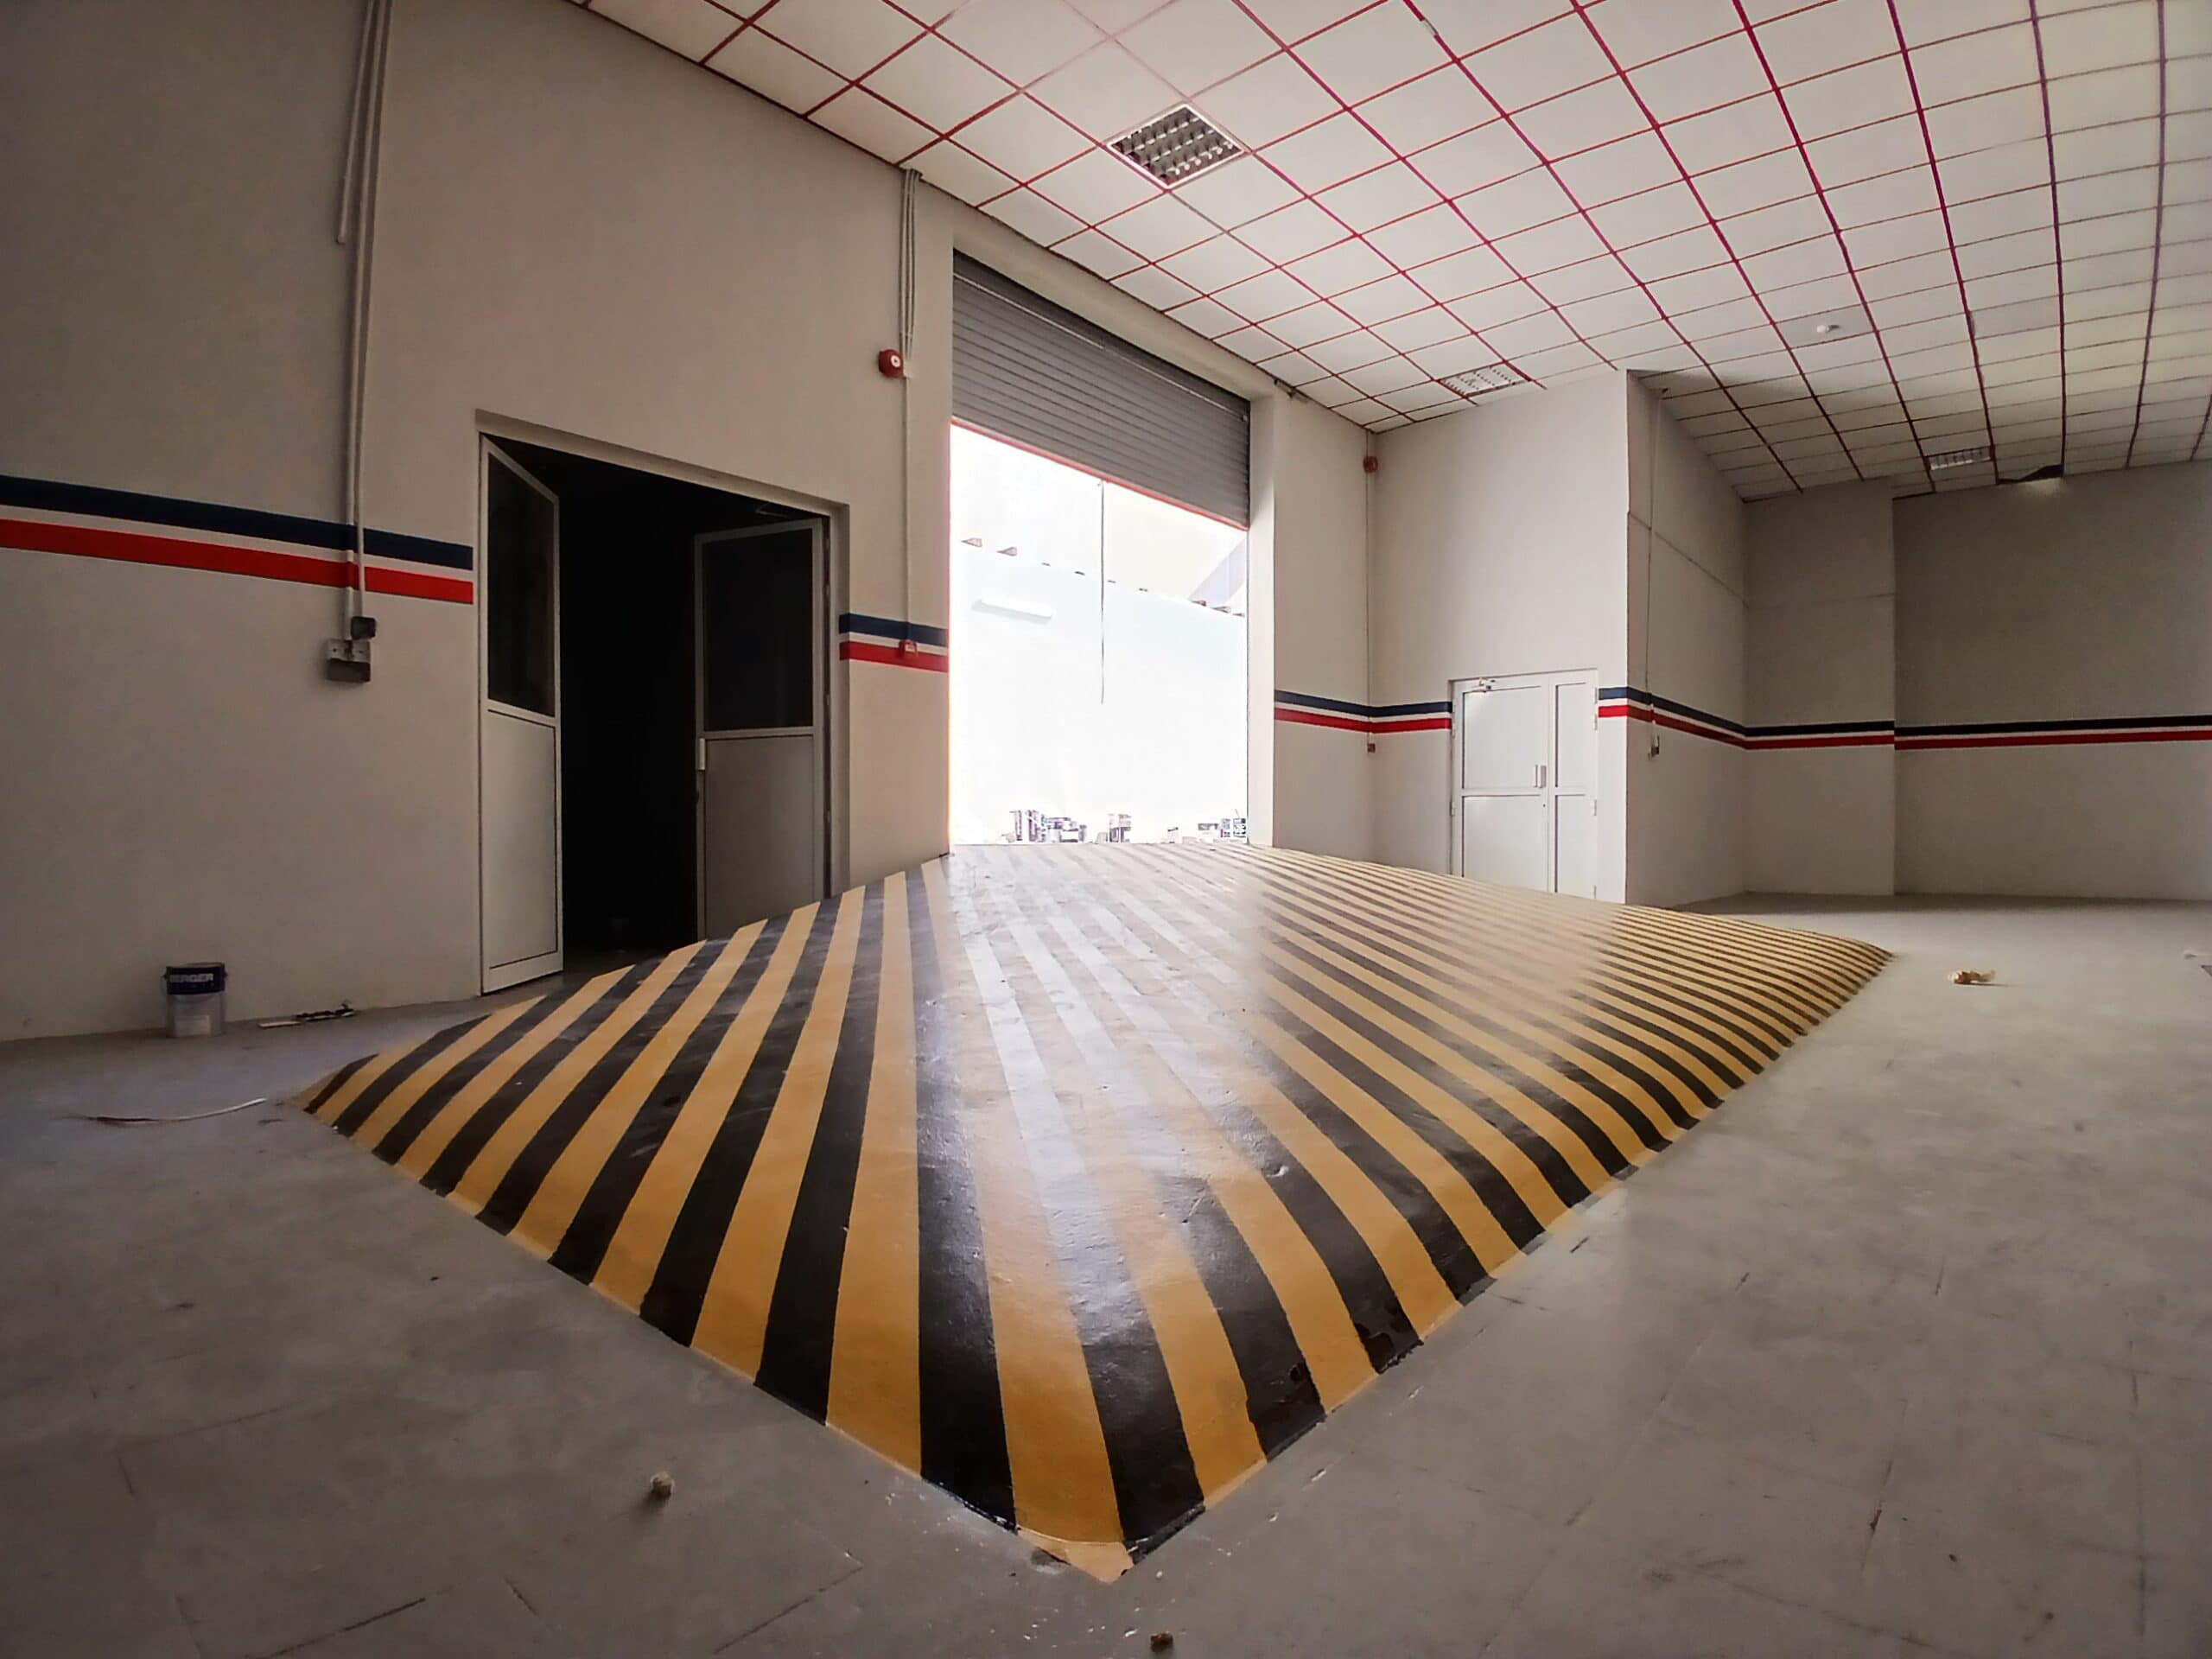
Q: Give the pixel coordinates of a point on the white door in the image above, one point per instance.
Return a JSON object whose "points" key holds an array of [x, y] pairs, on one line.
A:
{"points": [[518, 753], [1524, 793], [763, 821]]}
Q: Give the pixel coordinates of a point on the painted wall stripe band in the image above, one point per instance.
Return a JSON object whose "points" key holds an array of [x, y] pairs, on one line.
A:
{"points": [[172, 512], [893, 643], [1297, 708], [177, 552]]}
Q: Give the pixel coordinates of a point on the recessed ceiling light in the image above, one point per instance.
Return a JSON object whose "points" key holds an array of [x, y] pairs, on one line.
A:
{"points": [[1475, 382], [1179, 145], [1948, 459]]}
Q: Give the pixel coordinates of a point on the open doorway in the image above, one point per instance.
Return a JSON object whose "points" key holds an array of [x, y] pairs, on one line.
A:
{"points": [[1098, 657], [654, 747]]}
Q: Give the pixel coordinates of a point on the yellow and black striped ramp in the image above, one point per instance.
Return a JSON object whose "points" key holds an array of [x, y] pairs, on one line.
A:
{"points": [[1082, 1180]]}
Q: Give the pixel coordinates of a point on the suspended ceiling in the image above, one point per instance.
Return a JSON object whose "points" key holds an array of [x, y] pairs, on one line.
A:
{"points": [[1842, 237]]}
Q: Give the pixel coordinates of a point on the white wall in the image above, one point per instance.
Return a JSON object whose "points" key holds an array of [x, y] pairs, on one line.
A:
{"points": [[1820, 808], [2082, 599], [579, 236], [1685, 818], [1498, 549]]}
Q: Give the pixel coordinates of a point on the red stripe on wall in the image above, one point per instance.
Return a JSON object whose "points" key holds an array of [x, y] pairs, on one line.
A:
{"points": [[1841, 740], [858, 651], [1312, 717], [2025, 739], [1624, 711], [1431, 723], [177, 552]]}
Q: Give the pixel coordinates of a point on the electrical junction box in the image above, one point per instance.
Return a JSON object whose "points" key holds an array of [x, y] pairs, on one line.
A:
{"points": [[346, 661]]}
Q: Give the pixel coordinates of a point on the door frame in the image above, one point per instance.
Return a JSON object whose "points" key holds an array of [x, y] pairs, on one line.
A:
{"points": [[499, 976], [1548, 788], [818, 643]]}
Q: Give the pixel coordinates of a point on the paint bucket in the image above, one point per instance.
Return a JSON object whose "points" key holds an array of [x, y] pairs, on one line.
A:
{"points": [[195, 990]]}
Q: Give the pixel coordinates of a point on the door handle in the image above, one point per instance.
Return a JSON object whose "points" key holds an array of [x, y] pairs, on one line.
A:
{"points": [[1541, 772], [702, 755]]}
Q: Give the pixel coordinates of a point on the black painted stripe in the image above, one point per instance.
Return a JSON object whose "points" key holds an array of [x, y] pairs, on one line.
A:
{"points": [[359, 1110], [399, 1136], [886, 627], [331, 1084], [800, 1336]]}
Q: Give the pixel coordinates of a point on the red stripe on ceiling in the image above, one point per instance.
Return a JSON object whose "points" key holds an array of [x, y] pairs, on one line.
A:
{"points": [[183, 553]]}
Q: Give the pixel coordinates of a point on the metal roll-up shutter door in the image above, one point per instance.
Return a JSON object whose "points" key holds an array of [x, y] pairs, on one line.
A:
{"points": [[1025, 369]]}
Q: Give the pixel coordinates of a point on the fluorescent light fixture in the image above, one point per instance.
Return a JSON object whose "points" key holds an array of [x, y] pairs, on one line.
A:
{"points": [[1179, 145], [1475, 382], [1946, 460]]}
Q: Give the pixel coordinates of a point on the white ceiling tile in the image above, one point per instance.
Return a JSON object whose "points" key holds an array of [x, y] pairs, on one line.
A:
{"points": [[1492, 307], [1236, 192], [2025, 165], [1880, 147], [773, 69], [1423, 237], [1461, 274], [1364, 412], [1759, 183], [1095, 185], [1023, 138], [1821, 38], [956, 173], [1348, 265], [1381, 197], [1712, 321], [1261, 105], [1751, 127], [2014, 211], [2083, 238], [1190, 44], [1638, 31], [1295, 368], [1252, 344], [2126, 94], [2106, 270], [1974, 63], [1562, 242], [1986, 122], [1290, 232], [1096, 252], [851, 36], [1290, 20], [2016, 287], [1391, 373], [1672, 256], [1439, 106], [2188, 30], [1625, 343], [1542, 63], [1582, 120], [693, 27], [1837, 292], [2189, 181], [1896, 238], [1538, 332], [1351, 351], [2104, 38], [1204, 316], [1621, 169], [1935, 20], [1550, 365], [1905, 309], [2188, 84], [1158, 228], [1454, 356], [1269, 294], [872, 124], [1023, 39], [1157, 289], [1470, 25], [1718, 73], [1654, 213], [1800, 262], [1379, 302], [1849, 98], [1310, 324], [1907, 276], [1586, 279], [1530, 198], [1105, 93], [1331, 392], [2000, 254], [1328, 154], [1373, 50], [1034, 217], [1893, 195], [2108, 192], [1604, 313], [1776, 226], [1215, 263], [1431, 326], [1474, 159]]}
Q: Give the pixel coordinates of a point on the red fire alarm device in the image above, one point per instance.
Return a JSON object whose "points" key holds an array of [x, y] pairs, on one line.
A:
{"points": [[890, 365], [1370, 464]]}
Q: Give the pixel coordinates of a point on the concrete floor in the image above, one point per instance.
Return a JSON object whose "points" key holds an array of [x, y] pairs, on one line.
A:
{"points": [[1908, 1350]]}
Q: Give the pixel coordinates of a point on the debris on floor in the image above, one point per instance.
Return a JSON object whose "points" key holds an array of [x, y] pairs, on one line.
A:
{"points": [[1975, 977], [1162, 1640], [662, 1487], [312, 1017], [189, 1118]]}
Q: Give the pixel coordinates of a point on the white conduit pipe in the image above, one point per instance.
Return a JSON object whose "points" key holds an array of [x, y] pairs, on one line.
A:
{"points": [[908, 183], [357, 230]]}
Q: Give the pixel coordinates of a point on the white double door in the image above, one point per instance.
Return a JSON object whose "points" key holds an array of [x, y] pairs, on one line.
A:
{"points": [[1525, 781]]}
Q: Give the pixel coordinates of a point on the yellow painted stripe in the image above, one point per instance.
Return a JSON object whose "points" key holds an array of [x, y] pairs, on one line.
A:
{"points": [[497, 1154], [734, 1317], [395, 1105], [634, 1254], [545, 1222], [1056, 1446], [350, 1091], [439, 1132], [876, 1362]]}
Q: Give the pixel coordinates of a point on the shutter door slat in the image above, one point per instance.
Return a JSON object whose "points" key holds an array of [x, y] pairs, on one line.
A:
{"points": [[1025, 369]]}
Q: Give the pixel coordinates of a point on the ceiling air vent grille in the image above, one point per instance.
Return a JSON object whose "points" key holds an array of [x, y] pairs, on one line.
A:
{"points": [[1475, 382], [1179, 145], [1951, 458]]}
